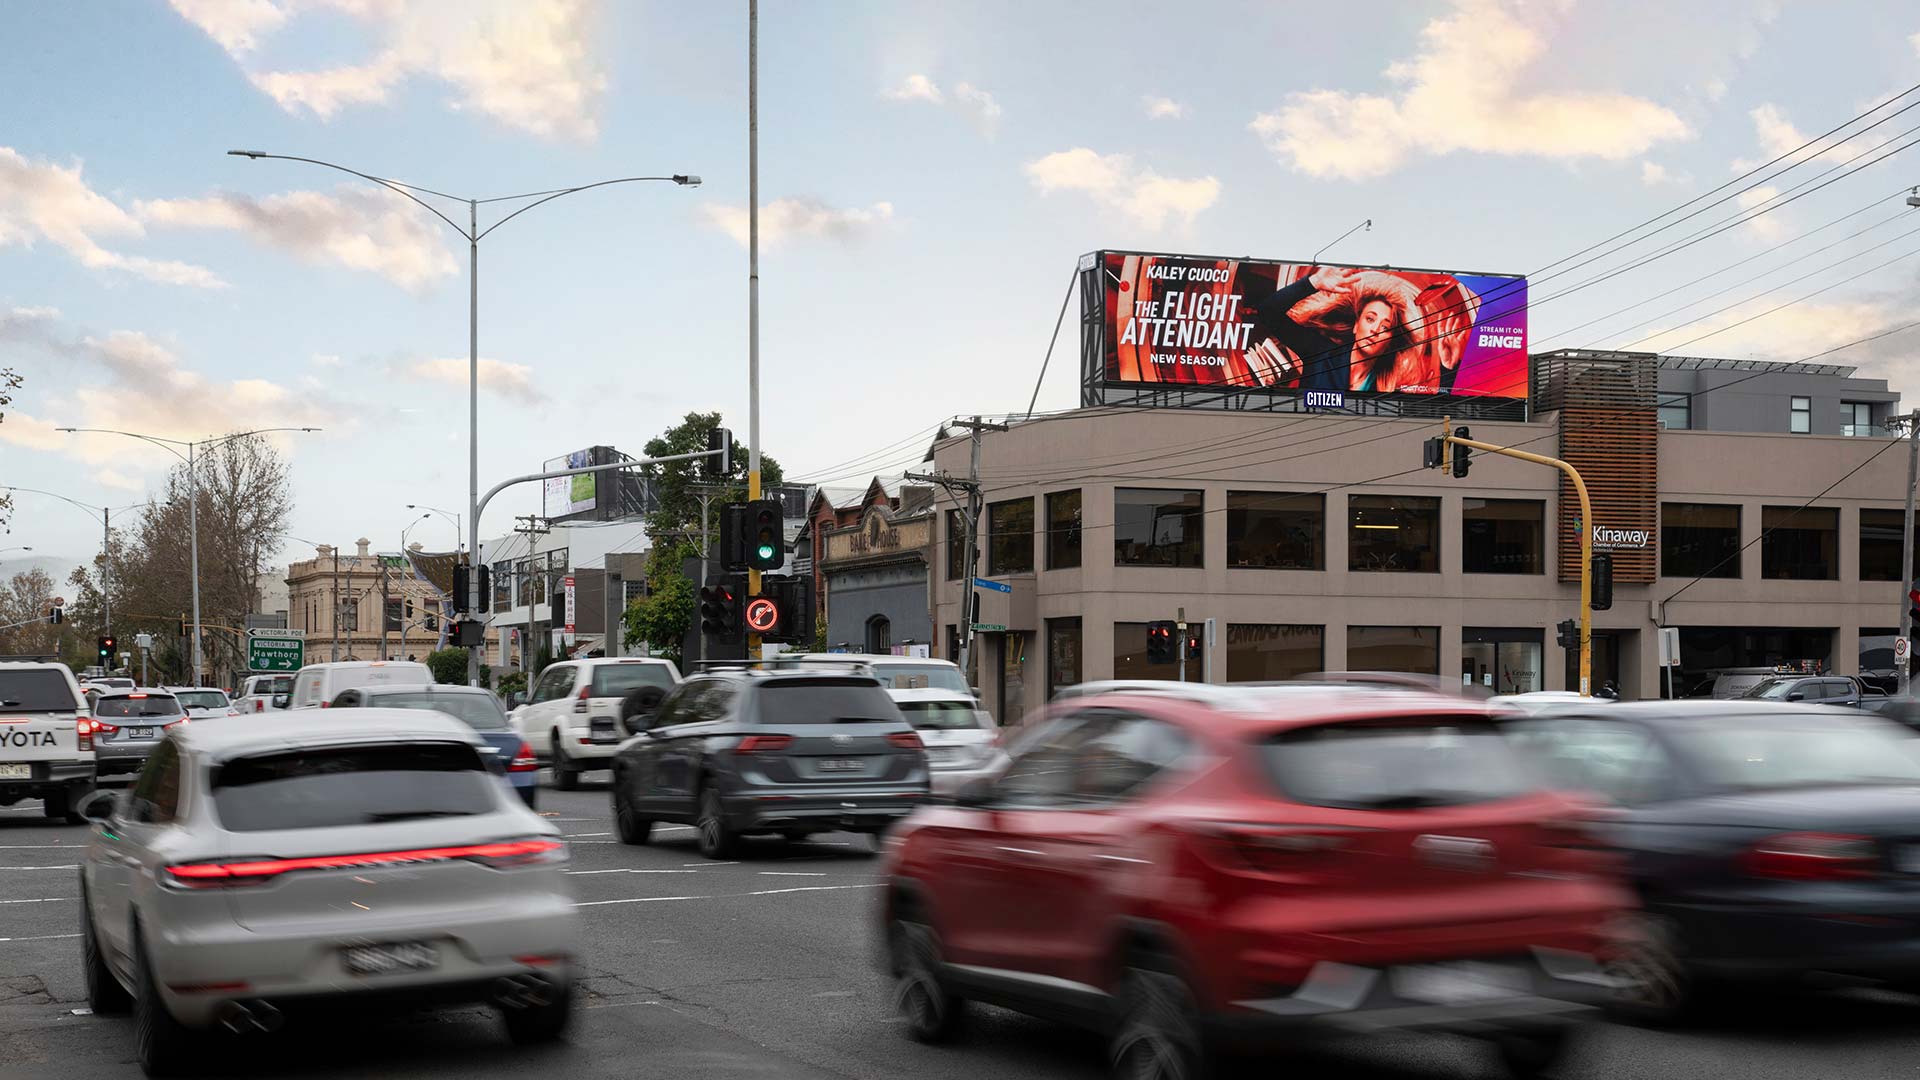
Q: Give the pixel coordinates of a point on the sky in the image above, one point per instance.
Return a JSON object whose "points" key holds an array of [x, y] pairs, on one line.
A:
{"points": [[929, 175]]}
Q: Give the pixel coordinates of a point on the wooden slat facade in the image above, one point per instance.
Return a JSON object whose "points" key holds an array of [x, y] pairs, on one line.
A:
{"points": [[1610, 431]]}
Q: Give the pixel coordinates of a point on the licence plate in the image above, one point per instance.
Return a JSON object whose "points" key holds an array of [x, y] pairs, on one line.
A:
{"points": [[16, 772], [143, 733], [1457, 984], [391, 959], [842, 765]]}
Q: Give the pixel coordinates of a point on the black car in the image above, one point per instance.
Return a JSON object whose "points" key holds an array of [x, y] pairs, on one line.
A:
{"points": [[1766, 841], [786, 752]]}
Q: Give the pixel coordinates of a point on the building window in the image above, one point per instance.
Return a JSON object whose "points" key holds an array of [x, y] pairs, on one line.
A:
{"points": [[1800, 415], [636, 590], [1800, 544], [1502, 660], [1856, 418], [1063, 530], [879, 635], [502, 578], [1398, 533], [1276, 530], [1877, 667], [1414, 649], [1130, 655], [1503, 536], [1063, 654], [1267, 652], [1880, 532], [1010, 537], [1699, 540], [1676, 412], [1152, 527], [956, 545]]}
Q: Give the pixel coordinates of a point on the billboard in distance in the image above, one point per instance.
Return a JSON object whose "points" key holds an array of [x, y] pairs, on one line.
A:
{"points": [[1311, 327], [564, 495]]}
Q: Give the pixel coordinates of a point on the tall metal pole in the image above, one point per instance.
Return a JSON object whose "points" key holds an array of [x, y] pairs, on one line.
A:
{"points": [[753, 282], [473, 436], [973, 554], [106, 570], [334, 623], [1906, 549], [193, 556]]}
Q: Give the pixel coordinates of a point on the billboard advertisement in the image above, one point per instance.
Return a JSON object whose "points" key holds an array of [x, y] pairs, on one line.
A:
{"points": [[564, 495], [1308, 327]]}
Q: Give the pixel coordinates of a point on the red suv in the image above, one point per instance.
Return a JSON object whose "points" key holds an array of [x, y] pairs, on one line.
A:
{"points": [[1225, 867]]}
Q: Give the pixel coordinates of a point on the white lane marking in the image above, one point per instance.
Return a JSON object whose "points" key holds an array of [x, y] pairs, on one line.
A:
{"points": [[42, 900], [42, 847], [709, 862], [596, 841], [672, 828], [43, 937], [627, 870], [67, 866], [789, 873], [572, 835], [619, 1004], [725, 896]]}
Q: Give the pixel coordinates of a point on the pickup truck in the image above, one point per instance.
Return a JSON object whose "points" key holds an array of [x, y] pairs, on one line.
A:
{"points": [[46, 739], [1845, 691]]}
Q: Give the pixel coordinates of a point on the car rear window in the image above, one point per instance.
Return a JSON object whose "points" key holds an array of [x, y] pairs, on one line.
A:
{"points": [[39, 690], [352, 785], [1749, 753], [279, 684], [920, 677], [478, 711], [619, 680], [137, 705], [201, 699], [825, 701], [1401, 764], [941, 715]]}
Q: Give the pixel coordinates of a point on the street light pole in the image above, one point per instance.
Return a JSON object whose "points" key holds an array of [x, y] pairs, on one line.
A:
{"points": [[106, 546]]}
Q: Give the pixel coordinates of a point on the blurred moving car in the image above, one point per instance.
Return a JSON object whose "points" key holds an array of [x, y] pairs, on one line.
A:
{"points": [[316, 685], [264, 693], [959, 735], [735, 751], [1248, 865], [1841, 691], [128, 724], [254, 869], [572, 715], [1735, 682], [202, 702], [1765, 841], [894, 672], [1540, 701], [46, 738], [506, 753]]}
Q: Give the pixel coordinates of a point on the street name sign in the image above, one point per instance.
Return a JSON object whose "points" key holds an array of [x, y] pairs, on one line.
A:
{"points": [[275, 651]]}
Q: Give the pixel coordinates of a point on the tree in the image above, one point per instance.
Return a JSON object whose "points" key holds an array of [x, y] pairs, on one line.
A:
{"points": [[28, 598], [448, 666], [662, 617], [9, 382]]}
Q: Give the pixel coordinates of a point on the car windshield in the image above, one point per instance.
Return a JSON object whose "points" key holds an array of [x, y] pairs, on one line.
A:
{"points": [[825, 701], [942, 715], [36, 690], [1399, 764], [619, 680], [481, 712], [1773, 689], [921, 677], [137, 705], [1750, 753], [201, 699], [354, 785], [279, 684]]}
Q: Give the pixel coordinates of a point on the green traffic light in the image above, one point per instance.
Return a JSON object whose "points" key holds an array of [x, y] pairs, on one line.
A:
{"points": [[766, 551]]}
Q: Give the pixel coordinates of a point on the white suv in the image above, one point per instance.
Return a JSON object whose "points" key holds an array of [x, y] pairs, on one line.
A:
{"points": [[572, 717], [46, 738]]}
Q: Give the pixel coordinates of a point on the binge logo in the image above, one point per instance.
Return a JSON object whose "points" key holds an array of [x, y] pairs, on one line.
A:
{"points": [[1326, 399]]}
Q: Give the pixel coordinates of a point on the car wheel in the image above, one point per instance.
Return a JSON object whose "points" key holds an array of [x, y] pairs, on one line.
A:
{"points": [[565, 776], [1650, 982], [716, 840], [1158, 1035], [105, 995], [164, 1045], [629, 825], [542, 1023], [76, 796], [933, 1012], [1531, 1054], [58, 806]]}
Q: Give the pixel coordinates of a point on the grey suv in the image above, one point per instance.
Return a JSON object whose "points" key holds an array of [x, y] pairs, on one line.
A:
{"points": [[786, 752]]}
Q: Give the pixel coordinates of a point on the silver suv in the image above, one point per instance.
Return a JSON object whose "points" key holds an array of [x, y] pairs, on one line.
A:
{"points": [[788, 752]]}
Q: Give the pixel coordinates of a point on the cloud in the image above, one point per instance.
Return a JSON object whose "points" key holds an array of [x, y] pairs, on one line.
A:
{"points": [[785, 219], [1767, 227], [915, 88], [1654, 174], [360, 229], [1111, 180], [528, 64], [43, 201], [114, 478], [1792, 333], [326, 360], [1778, 138], [977, 105], [513, 381], [1462, 91], [1161, 108]]}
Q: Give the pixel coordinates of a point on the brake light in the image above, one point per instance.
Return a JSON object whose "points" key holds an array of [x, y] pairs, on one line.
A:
{"points": [[756, 744], [176, 723], [105, 728], [1282, 850], [83, 727], [1812, 856], [523, 759], [137, 697], [906, 740], [580, 701], [499, 855]]}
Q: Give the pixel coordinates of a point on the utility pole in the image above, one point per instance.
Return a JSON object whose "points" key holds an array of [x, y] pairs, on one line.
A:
{"points": [[753, 288], [530, 529], [1906, 551], [971, 486], [386, 598]]}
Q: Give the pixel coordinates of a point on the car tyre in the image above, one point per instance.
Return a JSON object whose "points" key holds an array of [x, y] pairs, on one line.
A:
{"points": [[105, 995], [1651, 984], [165, 1046], [1158, 1035], [544, 1023], [627, 823], [934, 1014], [565, 776], [1531, 1054], [716, 840]]}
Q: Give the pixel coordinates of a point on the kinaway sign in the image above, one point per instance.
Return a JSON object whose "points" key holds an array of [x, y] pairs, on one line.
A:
{"points": [[1609, 538]]}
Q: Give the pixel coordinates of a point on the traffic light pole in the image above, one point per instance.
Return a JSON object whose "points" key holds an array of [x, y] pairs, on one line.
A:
{"points": [[1906, 552], [1586, 537]]}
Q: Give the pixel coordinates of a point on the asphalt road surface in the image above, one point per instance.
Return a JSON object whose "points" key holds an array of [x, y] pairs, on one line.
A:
{"points": [[766, 967]]}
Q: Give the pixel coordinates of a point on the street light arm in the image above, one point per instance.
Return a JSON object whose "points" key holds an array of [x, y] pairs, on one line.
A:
{"points": [[684, 181], [154, 439], [88, 507], [394, 186]]}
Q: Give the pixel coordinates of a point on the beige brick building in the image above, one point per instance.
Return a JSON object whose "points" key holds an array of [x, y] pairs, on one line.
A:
{"points": [[337, 598]]}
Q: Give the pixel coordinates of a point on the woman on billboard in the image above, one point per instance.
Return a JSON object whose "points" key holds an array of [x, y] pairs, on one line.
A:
{"points": [[1345, 330]]}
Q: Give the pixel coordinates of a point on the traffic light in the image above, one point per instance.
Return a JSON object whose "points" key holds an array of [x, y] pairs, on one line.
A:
{"points": [[460, 588], [1190, 643], [720, 601], [1913, 602], [107, 645], [1160, 646], [1601, 595], [409, 609], [765, 535], [720, 466], [1434, 453], [56, 616], [1569, 634], [792, 595], [1461, 454]]}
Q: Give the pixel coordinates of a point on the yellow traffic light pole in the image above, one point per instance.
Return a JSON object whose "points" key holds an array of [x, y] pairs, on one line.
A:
{"points": [[1450, 440]]}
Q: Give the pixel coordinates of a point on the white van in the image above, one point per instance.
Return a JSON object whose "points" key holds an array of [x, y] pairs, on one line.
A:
{"points": [[894, 672], [317, 685]]}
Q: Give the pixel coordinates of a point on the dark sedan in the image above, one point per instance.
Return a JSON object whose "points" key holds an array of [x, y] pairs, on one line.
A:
{"points": [[1767, 842]]}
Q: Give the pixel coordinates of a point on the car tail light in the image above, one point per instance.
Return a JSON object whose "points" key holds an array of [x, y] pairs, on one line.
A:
{"points": [[503, 854], [1244, 847], [102, 727], [523, 759], [175, 723], [259, 705], [580, 702], [906, 740], [1812, 856], [83, 727], [137, 697], [760, 744]]}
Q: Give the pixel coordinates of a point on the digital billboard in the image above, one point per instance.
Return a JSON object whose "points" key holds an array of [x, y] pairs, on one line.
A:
{"points": [[564, 495], [1309, 327]]}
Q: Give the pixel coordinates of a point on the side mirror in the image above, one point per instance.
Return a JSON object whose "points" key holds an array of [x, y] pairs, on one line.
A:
{"points": [[281, 701], [1796, 696], [975, 793], [100, 805]]}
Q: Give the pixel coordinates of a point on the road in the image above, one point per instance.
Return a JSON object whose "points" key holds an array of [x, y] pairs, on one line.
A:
{"points": [[765, 967]]}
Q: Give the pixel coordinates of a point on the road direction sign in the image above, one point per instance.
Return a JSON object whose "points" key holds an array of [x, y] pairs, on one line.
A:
{"points": [[275, 653], [996, 586]]}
